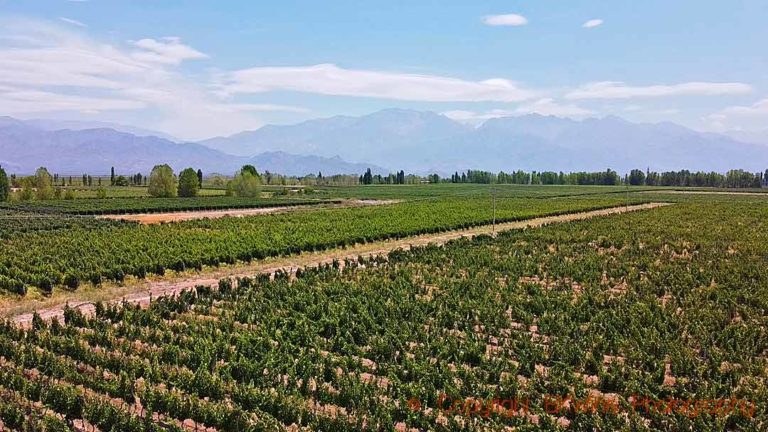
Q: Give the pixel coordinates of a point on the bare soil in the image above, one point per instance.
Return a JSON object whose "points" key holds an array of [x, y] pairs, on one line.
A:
{"points": [[156, 218], [143, 291], [705, 192]]}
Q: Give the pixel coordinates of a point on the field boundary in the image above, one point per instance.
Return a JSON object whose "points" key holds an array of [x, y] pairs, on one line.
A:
{"points": [[143, 291], [152, 218]]}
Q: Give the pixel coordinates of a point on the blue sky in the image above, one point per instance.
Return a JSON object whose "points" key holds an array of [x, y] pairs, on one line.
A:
{"points": [[196, 69]]}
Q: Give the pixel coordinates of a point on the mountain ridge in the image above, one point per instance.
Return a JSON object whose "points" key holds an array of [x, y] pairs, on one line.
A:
{"points": [[24, 147], [415, 140], [421, 142]]}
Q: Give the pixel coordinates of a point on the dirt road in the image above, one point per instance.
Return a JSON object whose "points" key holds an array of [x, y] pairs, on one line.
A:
{"points": [[694, 192], [143, 291], [178, 216]]}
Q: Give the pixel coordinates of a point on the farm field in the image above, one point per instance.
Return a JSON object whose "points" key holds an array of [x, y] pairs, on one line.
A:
{"points": [[647, 320], [153, 205], [39, 254], [215, 213]]}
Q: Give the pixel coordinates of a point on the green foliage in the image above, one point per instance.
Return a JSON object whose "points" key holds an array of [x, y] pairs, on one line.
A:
{"points": [[43, 183], [162, 182], [113, 251], [250, 169], [189, 183], [127, 205], [5, 186], [613, 306], [246, 184]]}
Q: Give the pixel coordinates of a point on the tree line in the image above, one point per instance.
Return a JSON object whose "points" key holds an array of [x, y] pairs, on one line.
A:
{"points": [[162, 182], [636, 177], [731, 179]]}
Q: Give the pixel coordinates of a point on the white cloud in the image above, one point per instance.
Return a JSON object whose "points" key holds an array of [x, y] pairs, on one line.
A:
{"points": [[72, 21], [328, 79], [592, 23], [545, 106], [740, 117], [267, 107], [513, 20], [548, 106], [474, 117], [45, 69], [168, 50], [619, 90], [17, 100]]}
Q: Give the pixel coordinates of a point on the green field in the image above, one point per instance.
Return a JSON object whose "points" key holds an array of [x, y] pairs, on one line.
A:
{"points": [[49, 256], [641, 320], [154, 205], [650, 313]]}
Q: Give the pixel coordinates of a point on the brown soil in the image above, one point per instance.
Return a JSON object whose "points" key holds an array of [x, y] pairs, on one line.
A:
{"points": [[706, 192], [156, 218], [142, 291]]}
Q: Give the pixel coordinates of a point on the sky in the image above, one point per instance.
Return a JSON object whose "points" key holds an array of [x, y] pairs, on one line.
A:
{"points": [[196, 69]]}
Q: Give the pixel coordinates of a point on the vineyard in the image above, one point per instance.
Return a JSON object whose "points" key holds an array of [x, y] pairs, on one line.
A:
{"points": [[85, 252], [153, 205], [627, 310]]}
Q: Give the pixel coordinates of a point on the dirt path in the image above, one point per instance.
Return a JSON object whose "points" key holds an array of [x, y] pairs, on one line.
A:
{"points": [[144, 290], [693, 192], [178, 216]]}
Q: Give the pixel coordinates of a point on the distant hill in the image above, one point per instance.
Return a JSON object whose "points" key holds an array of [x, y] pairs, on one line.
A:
{"points": [[425, 141], [387, 137], [24, 147], [419, 142], [288, 164], [755, 137], [54, 125]]}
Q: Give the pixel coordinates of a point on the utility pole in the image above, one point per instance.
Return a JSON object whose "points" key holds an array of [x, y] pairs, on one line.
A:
{"points": [[626, 184], [493, 193]]}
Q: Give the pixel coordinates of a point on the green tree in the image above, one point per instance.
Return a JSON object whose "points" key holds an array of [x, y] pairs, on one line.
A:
{"points": [[247, 183], [189, 183], [5, 186], [250, 169], [367, 177], [43, 182], [162, 182], [636, 177]]}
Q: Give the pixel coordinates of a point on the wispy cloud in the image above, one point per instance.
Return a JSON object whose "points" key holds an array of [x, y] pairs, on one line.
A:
{"points": [[548, 106], [46, 68], [748, 117], [619, 90], [544, 106], [72, 21], [512, 20], [168, 50], [475, 117], [592, 23], [329, 79]]}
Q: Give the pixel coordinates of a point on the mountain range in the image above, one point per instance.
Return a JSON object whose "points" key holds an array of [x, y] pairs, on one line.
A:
{"points": [[428, 142], [415, 141], [27, 145]]}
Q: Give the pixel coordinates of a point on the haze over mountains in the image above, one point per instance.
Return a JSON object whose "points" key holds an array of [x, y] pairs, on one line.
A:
{"points": [[26, 145], [420, 142], [426, 141]]}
